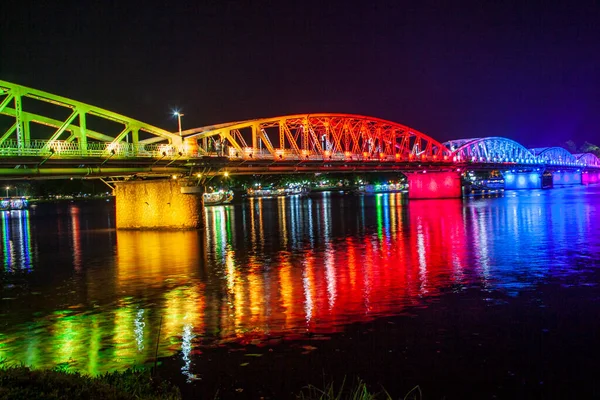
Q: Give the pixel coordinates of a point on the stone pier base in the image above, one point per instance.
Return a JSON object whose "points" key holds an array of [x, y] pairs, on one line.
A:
{"points": [[566, 178], [157, 205], [434, 185], [590, 177], [522, 180]]}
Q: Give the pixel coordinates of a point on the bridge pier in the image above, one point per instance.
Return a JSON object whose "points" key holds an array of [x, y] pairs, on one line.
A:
{"points": [[157, 204], [590, 177], [434, 185], [566, 178], [522, 180]]}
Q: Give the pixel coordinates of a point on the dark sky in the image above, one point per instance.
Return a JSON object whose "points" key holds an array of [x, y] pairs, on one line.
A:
{"points": [[520, 69]]}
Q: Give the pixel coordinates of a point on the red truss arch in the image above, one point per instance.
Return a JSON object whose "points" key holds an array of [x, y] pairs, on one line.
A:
{"points": [[335, 137]]}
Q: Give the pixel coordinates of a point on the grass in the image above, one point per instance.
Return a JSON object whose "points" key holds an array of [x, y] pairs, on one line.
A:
{"points": [[20, 382], [358, 391]]}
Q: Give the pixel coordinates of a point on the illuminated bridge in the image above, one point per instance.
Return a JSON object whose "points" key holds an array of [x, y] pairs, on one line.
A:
{"points": [[44, 135]]}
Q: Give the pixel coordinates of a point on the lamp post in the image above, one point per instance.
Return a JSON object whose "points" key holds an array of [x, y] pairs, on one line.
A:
{"points": [[179, 115], [8, 187]]}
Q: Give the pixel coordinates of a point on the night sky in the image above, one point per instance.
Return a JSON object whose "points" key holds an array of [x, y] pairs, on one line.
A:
{"points": [[524, 70]]}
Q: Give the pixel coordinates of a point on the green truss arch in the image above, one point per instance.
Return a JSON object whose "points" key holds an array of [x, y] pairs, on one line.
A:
{"points": [[38, 123]]}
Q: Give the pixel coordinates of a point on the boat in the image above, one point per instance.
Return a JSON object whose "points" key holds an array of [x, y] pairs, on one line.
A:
{"points": [[265, 192], [14, 203], [278, 192], [383, 188], [484, 187], [218, 198], [297, 191]]}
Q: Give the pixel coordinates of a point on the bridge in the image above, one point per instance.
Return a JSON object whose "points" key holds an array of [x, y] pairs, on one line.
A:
{"points": [[43, 135]]}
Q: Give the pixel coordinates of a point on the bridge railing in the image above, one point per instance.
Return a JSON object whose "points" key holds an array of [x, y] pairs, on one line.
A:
{"points": [[94, 149], [73, 149], [249, 154]]}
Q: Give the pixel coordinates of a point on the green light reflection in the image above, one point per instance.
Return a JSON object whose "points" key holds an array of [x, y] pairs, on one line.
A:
{"points": [[379, 205]]}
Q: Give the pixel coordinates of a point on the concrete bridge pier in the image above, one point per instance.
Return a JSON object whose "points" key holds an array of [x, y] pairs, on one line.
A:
{"points": [[566, 178], [157, 204], [590, 177], [522, 180], [434, 185]]}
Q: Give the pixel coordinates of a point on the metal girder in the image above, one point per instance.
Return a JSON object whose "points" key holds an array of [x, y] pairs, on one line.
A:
{"points": [[89, 172], [6, 101], [54, 123], [321, 137], [490, 150], [494, 150], [588, 159], [554, 155], [11, 104]]}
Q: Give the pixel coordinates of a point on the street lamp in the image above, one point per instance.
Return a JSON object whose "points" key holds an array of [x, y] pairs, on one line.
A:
{"points": [[8, 187], [179, 115]]}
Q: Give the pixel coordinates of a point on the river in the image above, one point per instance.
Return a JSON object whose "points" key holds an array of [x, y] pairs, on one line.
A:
{"points": [[497, 296]]}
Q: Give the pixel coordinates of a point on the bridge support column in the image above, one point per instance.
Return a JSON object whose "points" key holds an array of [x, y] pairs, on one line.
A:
{"points": [[190, 147], [522, 180], [566, 178], [157, 204], [590, 177], [434, 185]]}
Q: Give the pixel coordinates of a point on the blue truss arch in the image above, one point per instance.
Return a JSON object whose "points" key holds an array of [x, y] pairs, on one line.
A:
{"points": [[490, 150], [587, 160], [554, 156]]}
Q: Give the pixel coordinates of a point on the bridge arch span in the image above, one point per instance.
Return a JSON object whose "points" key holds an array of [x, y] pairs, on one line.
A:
{"points": [[554, 155], [587, 159], [490, 150], [44, 124], [322, 136]]}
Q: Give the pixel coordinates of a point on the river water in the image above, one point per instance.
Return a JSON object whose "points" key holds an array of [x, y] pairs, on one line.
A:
{"points": [[497, 296]]}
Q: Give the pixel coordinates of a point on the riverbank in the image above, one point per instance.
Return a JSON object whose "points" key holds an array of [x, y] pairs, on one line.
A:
{"points": [[64, 199], [19, 382]]}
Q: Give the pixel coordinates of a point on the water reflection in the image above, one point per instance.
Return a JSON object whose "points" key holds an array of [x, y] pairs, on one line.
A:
{"points": [[282, 266], [16, 240]]}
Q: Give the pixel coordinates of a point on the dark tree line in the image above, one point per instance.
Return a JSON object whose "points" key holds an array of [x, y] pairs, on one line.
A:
{"points": [[586, 147]]}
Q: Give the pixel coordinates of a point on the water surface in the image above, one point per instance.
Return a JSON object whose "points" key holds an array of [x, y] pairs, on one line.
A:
{"points": [[76, 292]]}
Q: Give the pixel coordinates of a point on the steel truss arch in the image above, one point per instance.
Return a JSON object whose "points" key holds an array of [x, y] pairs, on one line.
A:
{"points": [[47, 124], [325, 136], [587, 159], [554, 156], [490, 150]]}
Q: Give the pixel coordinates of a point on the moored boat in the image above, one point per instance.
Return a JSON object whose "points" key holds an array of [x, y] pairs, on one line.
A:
{"points": [[218, 198], [277, 192], [14, 203], [383, 188]]}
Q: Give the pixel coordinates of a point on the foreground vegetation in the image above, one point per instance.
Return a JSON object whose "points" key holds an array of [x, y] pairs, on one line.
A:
{"points": [[19, 382], [357, 391]]}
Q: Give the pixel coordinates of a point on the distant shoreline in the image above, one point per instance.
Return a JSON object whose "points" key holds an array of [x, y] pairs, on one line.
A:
{"points": [[38, 200]]}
